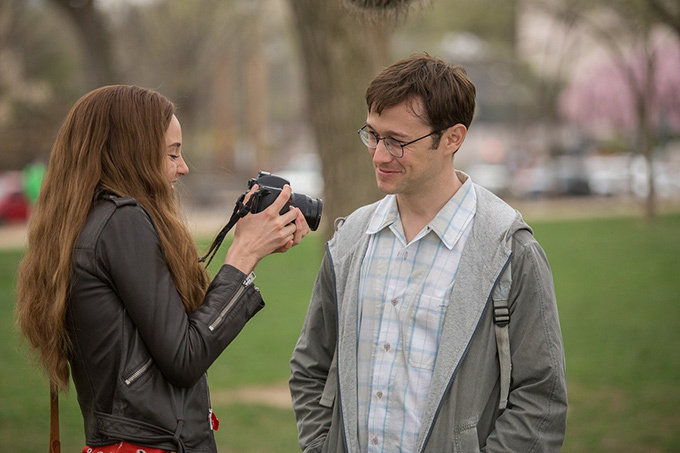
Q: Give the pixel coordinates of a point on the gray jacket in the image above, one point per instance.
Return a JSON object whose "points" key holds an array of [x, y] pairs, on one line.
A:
{"points": [[462, 413], [138, 360]]}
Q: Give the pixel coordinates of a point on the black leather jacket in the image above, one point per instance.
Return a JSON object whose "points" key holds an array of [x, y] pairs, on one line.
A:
{"points": [[138, 360]]}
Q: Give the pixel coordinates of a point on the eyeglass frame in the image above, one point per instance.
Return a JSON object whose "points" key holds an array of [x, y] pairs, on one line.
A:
{"points": [[387, 147]]}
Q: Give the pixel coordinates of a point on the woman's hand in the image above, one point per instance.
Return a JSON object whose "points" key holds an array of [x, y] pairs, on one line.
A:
{"points": [[258, 235]]}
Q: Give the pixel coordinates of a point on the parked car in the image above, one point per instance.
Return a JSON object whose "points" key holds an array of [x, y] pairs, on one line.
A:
{"points": [[534, 182], [571, 176], [304, 173], [609, 175], [13, 205], [494, 177]]}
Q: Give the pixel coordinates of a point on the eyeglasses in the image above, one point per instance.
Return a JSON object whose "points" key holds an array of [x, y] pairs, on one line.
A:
{"points": [[394, 147]]}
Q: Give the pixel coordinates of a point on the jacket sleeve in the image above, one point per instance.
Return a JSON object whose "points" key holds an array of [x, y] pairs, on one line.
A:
{"points": [[313, 382], [183, 346], [535, 419]]}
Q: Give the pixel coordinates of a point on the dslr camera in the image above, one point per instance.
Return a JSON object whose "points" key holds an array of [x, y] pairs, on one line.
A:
{"points": [[270, 187]]}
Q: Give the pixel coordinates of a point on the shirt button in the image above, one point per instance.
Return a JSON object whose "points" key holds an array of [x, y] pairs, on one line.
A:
{"points": [[379, 394], [395, 302], [375, 441], [387, 346]]}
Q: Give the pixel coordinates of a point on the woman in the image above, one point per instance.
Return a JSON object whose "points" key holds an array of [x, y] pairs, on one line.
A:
{"points": [[111, 286]]}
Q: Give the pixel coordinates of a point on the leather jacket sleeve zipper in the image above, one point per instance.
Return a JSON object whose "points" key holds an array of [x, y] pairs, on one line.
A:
{"points": [[230, 305], [141, 370], [249, 280]]}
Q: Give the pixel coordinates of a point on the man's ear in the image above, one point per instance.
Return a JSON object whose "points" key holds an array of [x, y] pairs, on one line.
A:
{"points": [[454, 137]]}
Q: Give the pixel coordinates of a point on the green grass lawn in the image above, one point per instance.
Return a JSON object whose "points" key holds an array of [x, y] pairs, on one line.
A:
{"points": [[619, 298], [618, 290]]}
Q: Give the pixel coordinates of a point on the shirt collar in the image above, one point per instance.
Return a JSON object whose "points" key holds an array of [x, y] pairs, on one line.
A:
{"points": [[385, 215], [448, 224], [452, 220]]}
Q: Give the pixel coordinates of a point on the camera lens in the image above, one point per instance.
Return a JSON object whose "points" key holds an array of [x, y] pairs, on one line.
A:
{"points": [[311, 208], [270, 188]]}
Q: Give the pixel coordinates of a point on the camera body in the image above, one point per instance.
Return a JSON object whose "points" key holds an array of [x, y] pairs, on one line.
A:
{"points": [[270, 187]]}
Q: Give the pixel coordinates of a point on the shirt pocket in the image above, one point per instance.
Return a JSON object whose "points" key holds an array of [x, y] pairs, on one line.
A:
{"points": [[422, 327]]}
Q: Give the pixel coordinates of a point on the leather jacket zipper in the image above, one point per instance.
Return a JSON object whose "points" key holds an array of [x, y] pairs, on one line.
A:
{"points": [[141, 370], [249, 279]]}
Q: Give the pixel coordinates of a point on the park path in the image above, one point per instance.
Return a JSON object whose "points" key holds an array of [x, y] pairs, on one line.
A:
{"points": [[273, 395], [12, 236], [209, 222]]}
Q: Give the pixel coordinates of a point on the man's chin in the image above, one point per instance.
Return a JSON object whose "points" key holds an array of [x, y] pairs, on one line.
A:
{"points": [[387, 189]]}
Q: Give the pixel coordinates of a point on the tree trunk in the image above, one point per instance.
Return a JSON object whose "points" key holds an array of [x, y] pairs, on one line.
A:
{"points": [[341, 54], [646, 95], [223, 130], [255, 78], [95, 39], [667, 12]]}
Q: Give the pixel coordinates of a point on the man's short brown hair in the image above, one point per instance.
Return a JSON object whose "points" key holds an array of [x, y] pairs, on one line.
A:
{"points": [[446, 92]]}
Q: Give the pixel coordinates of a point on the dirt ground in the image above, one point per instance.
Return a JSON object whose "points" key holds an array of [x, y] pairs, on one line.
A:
{"points": [[275, 395], [12, 236]]}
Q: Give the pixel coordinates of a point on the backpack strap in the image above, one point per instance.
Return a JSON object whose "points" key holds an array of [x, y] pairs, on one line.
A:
{"points": [[501, 318], [330, 389]]}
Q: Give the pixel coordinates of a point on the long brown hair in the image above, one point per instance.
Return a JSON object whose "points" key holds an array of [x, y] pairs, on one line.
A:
{"points": [[113, 139]]}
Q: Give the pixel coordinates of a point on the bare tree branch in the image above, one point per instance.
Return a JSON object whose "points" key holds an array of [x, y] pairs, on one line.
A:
{"points": [[667, 12]]}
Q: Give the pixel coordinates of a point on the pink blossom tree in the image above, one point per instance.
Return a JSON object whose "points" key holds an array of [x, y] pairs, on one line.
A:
{"points": [[636, 88], [636, 96], [606, 100]]}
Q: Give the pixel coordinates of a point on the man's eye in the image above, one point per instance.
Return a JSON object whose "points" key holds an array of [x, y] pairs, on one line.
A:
{"points": [[173, 156]]}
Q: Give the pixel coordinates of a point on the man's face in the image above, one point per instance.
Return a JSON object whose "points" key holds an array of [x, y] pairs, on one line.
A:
{"points": [[416, 171]]}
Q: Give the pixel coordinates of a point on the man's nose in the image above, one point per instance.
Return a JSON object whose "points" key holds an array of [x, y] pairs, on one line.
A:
{"points": [[381, 154]]}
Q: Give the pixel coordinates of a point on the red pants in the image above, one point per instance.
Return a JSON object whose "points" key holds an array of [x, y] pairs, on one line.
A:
{"points": [[123, 447]]}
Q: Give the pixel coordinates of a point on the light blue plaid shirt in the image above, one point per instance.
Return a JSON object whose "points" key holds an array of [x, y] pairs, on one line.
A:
{"points": [[403, 293]]}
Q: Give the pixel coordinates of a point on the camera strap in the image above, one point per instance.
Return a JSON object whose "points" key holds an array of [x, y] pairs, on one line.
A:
{"points": [[241, 209], [55, 445]]}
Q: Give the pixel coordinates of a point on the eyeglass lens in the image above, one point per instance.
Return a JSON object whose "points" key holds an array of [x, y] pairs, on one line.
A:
{"points": [[371, 140]]}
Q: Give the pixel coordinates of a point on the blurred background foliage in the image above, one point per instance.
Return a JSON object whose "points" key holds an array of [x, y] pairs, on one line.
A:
{"points": [[575, 98], [261, 82]]}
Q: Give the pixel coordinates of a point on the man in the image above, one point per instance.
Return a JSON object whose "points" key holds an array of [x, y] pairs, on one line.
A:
{"points": [[400, 350]]}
